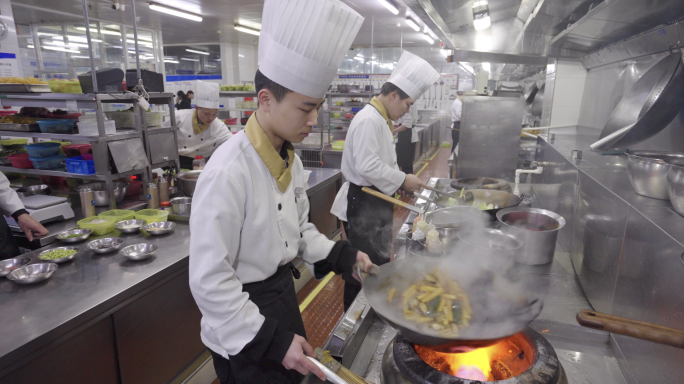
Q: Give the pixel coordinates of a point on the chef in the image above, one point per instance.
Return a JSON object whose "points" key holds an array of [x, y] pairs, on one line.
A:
{"points": [[407, 137], [200, 132], [369, 160], [11, 205], [250, 208], [456, 108]]}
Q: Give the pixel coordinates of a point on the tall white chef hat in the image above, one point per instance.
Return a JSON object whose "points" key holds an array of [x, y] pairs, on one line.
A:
{"points": [[413, 75], [207, 95], [303, 42]]}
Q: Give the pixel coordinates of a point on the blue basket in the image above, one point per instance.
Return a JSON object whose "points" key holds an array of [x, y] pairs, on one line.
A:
{"points": [[56, 126], [80, 166], [53, 162], [40, 150], [356, 109]]}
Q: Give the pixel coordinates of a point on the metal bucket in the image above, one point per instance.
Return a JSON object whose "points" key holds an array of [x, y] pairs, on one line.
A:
{"points": [[536, 228], [187, 181]]}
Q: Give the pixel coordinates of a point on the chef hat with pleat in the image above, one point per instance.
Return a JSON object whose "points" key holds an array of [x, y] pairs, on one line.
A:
{"points": [[413, 75], [303, 42], [207, 95]]}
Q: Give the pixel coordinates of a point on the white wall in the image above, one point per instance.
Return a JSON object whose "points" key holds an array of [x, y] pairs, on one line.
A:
{"points": [[568, 93]]}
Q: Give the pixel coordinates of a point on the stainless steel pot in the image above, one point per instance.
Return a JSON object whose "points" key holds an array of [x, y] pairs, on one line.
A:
{"points": [[648, 171], [675, 186], [449, 221], [181, 206], [187, 181], [536, 228], [346, 88], [101, 195]]}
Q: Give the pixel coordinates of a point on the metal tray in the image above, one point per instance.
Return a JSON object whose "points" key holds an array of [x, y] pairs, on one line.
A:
{"points": [[19, 127], [25, 88]]}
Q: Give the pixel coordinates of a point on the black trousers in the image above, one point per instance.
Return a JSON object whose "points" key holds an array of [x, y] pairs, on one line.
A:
{"points": [[276, 298], [8, 245], [368, 229], [455, 135], [405, 151]]}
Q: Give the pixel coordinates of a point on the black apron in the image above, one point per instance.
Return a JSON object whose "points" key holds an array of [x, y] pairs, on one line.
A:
{"points": [[455, 133], [368, 229], [405, 151], [276, 298], [8, 245]]}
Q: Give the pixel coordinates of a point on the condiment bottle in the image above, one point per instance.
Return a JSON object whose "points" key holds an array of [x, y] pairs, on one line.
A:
{"points": [[423, 226], [198, 163], [165, 205], [433, 243], [87, 201], [163, 189], [152, 196], [418, 240], [415, 222]]}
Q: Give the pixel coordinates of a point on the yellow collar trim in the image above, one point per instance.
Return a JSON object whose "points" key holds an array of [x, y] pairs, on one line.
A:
{"points": [[196, 126], [270, 157], [381, 108]]}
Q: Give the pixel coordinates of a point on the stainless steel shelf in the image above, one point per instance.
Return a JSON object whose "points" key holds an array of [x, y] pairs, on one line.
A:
{"points": [[237, 94], [238, 109], [74, 137], [316, 147], [352, 94], [42, 172], [83, 101]]}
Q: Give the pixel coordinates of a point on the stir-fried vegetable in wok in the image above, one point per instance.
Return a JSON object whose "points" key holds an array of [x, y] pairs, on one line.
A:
{"points": [[436, 303]]}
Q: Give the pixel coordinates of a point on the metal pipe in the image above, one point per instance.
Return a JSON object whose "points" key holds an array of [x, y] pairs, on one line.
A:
{"points": [[135, 36], [372, 37], [90, 53]]}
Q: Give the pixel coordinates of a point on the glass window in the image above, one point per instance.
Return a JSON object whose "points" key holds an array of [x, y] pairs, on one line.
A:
{"points": [[193, 60], [27, 52], [146, 49]]}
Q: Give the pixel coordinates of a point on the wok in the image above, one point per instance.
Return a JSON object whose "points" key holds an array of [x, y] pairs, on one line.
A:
{"points": [[649, 106], [499, 199], [499, 308]]}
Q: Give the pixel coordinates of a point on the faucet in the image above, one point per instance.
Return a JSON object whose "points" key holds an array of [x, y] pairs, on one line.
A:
{"points": [[518, 172]]}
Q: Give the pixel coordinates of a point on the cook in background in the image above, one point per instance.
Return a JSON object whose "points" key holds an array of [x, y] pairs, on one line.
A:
{"points": [[191, 96], [200, 132], [11, 205], [250, 208], [369, 160], [407, 138], [182, 101], [456, 108]]}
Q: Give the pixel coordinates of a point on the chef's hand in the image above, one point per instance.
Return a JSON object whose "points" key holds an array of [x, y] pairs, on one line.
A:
{"points": [[412, 183], [296, 359], [29, 225], [363, 259]]}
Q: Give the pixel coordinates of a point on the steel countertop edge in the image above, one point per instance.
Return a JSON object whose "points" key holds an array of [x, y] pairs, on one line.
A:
{"points": [[91, 287]]}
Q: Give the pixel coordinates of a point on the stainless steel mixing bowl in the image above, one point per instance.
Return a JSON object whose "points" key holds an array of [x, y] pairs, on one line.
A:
{"points": [[83, 234], [9, 265], [139, 251], [105, 245], [675, 186], [188, 181], [648, 170], [101, 195], [159, 228], [63, 259], [32, 273], [181, 206], [130, 226], [41, 189]]}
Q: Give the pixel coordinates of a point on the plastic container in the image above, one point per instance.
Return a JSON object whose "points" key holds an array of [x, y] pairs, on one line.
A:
{"points": [[125, 119], [198, 164], [98, 229], [80, 166], [56, 126], [90, 128], [338, 145], [21, 160], [45, 149], [231, 121], [152, 215], [118, 214], [74, 150], [58, 86], [52, 162], [13, 144]]}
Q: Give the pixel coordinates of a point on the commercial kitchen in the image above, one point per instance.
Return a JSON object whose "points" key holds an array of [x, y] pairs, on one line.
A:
{"points": [[544, 245]]}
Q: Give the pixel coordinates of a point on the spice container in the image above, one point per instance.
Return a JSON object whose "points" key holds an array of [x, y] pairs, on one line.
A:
{"points": [[166, 206], [87, 201], [415, 222], [198, 163], [418, 241], [164, 189], [152, 196], [434, 245]]}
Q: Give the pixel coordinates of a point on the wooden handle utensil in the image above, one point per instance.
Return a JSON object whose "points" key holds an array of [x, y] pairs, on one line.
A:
{"points": [[392, 200], [632, 328]]}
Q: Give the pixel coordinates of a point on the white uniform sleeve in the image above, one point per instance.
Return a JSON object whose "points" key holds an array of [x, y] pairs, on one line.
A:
{"points": [[9, 200], [366, 144], [407, 120], [315, 245], [216, 223]]}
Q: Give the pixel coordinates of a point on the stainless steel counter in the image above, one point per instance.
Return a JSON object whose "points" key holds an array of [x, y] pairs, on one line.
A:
{"points": [[106, 292]]}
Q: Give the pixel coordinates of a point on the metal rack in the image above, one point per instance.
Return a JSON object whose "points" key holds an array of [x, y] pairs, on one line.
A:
{"points": [[233, 95], [99, 143]]}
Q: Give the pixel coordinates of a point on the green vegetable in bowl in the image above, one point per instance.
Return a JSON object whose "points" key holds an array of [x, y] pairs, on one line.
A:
{"points": [[58, 254]]}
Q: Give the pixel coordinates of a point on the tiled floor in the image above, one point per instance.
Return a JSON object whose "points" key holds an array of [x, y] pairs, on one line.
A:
{"points": [[324, 311]]}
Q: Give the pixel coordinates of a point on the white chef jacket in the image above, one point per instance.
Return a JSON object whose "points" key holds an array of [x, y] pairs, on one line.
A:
{"points": [[410, 119], [456, 108], [9, 200], [244, 228], [369, 158], [205, 143]]}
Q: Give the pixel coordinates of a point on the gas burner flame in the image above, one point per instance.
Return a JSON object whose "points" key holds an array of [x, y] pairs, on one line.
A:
{"points": [[470, 372]]}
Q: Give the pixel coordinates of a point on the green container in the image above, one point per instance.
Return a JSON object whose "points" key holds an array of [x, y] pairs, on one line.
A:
{"points": [[118, 214], [98, 229], [152, 215]]}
